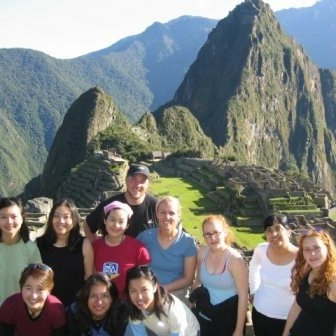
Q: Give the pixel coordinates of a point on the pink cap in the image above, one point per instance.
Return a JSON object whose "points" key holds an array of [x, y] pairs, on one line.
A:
{"points": [[118, 205]]}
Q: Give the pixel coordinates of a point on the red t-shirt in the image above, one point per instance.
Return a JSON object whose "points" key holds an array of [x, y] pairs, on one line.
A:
{"points": [[115, 261], [13, 312]]}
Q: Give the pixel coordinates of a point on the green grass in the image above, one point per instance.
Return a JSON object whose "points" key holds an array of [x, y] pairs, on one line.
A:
{"points": [[195, 206], [332, 215], [249, 237]]}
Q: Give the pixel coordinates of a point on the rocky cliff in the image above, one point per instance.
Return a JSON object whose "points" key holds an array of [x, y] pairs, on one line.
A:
{"points": [[259, 97], [92, 124], [89, 115]]}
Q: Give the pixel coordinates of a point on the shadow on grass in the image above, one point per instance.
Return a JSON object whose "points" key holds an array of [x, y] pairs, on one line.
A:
{"points": [[250, 229], [205, 210]]}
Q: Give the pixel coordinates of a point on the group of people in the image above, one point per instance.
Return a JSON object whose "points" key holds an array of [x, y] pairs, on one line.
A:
{"points": [[138, 272], [293, 289]]}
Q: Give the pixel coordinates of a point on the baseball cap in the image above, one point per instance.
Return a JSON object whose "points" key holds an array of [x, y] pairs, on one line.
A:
{"points": [[138, 169]]}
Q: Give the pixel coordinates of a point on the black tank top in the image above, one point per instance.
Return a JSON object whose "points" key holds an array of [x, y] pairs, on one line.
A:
{"points": [[318, 314]]}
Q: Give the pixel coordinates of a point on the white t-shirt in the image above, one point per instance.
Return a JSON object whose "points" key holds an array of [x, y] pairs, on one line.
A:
{"points": [[270, 284], [179, 320]]}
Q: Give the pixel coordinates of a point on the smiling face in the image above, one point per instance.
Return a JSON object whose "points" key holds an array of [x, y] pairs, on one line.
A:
{"points": [[116, 223], [168, 214], [315, 252], [10, 221], [214, 233], [62, 220], [33, 294], [277, 235], [99, 301], [136, 188], [141, 292]]}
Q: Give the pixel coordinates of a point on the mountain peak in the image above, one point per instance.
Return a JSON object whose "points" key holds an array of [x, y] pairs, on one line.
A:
{"points": [[89, 115], [233, 48], [258, 96]]}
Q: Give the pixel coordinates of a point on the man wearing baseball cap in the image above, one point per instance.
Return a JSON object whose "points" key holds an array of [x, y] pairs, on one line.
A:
{"points": [[136, 196]]}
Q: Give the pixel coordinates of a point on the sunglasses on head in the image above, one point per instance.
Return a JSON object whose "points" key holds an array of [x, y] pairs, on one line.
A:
{"points": [[304, 232], [141, 268], [144, 268], [40, 266]]}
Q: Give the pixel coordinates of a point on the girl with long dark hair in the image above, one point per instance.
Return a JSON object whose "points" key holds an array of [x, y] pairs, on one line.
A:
{"points": [[97, 310], [16, 249], [64, 249], [152, 307]]}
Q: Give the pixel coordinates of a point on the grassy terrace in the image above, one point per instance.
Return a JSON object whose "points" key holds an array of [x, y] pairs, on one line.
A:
{"points": [[333, 216], [195, 206]]}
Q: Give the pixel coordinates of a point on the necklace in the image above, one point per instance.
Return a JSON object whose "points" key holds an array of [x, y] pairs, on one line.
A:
{"points": [[98, 323]]}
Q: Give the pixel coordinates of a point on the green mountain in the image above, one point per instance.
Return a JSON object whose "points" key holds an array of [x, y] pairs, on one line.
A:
{"points": [[94, 123], [140, 72], [14, 150], [260, 98]]}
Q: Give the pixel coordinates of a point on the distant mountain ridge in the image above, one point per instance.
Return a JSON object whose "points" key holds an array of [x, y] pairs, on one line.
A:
{"points": [[140, 72], [93, 122], [313, 27]]}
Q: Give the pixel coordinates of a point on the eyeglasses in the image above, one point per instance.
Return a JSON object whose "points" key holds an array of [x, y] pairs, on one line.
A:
{"points": [[40, 266], [100, 296], [208, 235], [316, 229]]}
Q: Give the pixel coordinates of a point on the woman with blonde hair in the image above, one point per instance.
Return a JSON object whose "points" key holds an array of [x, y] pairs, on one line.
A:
{"points": [[314, 283], [221, 285], [173, 251]]}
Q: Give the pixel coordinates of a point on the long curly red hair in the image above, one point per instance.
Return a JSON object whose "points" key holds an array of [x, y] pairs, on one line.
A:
{"points": [[321, 283]]}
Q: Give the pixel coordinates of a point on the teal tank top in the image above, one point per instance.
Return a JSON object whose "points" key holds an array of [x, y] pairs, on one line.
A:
{"points": [[220, 286]]}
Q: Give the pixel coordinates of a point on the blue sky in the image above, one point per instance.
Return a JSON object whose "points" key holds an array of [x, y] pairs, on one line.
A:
{"points": [[70, 28]]}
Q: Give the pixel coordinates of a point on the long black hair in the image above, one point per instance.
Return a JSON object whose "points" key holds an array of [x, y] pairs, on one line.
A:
{"points": [[7, 202], [49, 236], [161, 296], [116, 317]]}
